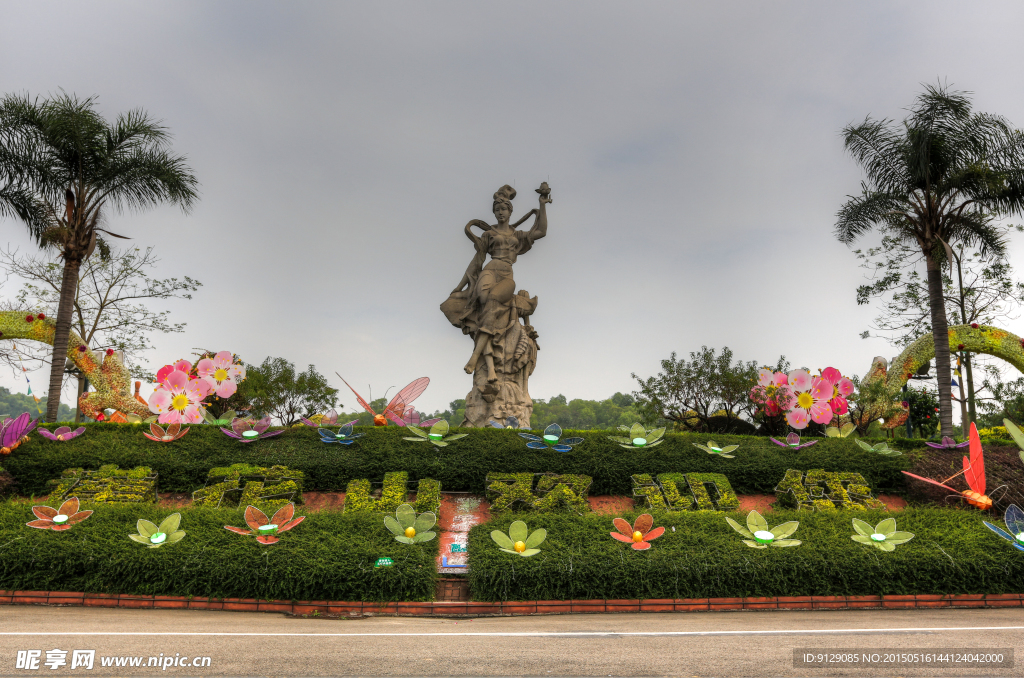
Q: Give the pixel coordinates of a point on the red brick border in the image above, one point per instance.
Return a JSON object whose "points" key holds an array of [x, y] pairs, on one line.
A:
{"points": [[511, 608]]}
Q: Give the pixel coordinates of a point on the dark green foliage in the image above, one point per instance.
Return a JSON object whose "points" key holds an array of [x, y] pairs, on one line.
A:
{"points": [[462, 466], [330, 556], [952, 553]]}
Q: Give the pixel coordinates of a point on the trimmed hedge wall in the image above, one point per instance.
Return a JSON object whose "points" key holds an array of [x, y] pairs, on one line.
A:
{"points": [[462, 466], [952, 553], [330, 556]]}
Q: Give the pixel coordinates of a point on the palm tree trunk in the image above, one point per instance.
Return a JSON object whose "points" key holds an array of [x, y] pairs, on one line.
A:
{"points": [[940, 332], [65, 309]]}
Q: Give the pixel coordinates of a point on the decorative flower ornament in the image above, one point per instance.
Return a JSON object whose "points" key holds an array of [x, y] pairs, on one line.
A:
{"points": [[165, 371], [812, 399], [840, 432], [318, 420], [1016, 434], [793, 442], [343, 436], [1014, 520], [265, 528], [881, 448], [714, 448], [882, 536], [14, 432], [551, 440], [178, 400], [639, 534], [757, 530], [519, 540], [639, 437], [436, 434], [155, 536], [223, 420], [772, 392], [58, 519], [948, 444], [842, 388], [510, 422], [62, 434], [221, 373], [168, 435], [248, 431], [410, 528]]}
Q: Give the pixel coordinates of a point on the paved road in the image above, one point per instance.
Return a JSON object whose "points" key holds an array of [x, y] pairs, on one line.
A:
{"points": [[686, 644]]}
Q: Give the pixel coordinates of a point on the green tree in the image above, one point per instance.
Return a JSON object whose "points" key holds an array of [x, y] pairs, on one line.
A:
{"points": [[933, 181], [274, 388], [924, 411], [78, 167], [13, 404]]}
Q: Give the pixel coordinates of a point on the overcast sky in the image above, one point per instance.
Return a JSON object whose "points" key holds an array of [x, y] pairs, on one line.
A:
{"points": [[693, 152]]}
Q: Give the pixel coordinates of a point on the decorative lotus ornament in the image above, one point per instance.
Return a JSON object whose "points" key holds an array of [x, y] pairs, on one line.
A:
{"points": [[168, 435], [248, 431], [343, 436], [223, 420], [510, 422], [552, 434], [1014, 520], [62, 434], [793, 442], [58, 519], [265, 528], [841, 432], [155, 536], [881, 448], [221, 373], [639, 534], [410, 528], [519, 540], [317, 420], [714, 448], [759, 536], [14, 432], [1016, 434], [639, 436], [436, 434], [947, 444], [882, 536]]}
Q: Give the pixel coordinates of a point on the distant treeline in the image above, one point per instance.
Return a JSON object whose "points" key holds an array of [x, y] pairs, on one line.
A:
{"points": [[13, 404]]}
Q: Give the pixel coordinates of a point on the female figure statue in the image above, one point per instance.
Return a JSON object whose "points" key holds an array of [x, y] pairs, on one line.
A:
{"points": [[485, 306]]}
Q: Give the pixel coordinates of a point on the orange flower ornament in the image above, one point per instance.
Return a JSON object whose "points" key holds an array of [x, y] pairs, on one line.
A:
{"points": [[639, 534], [58, 519], [265, 529]]}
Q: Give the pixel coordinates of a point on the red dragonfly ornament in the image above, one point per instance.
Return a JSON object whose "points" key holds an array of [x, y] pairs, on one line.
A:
{"points": [[974, 474], [397, 407]]}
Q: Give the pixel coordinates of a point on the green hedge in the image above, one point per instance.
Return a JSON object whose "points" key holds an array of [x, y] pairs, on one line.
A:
{"points": [[952, 553], [330, 556], [462, 466]]}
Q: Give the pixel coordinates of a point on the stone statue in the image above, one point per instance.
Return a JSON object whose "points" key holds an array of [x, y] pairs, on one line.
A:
{"points": [[485, 306]]}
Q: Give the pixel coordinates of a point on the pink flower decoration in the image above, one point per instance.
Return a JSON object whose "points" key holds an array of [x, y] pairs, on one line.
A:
{"points": [[178, 400], [797, 418], [812, 398], [221, 373], [165, 371], [831, 374], [800, 380]]}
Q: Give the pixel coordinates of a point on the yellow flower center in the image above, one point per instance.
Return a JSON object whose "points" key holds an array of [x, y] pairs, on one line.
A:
{"points": [[410, 532], [180, 402], [220, 375], [520, 547], [638, 536], [804, 400]]}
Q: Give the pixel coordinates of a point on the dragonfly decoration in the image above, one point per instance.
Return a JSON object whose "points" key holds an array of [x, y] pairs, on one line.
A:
{"points": [[436, 434], [1014, 520], [974, 474], [551, 440], [398, 405]]}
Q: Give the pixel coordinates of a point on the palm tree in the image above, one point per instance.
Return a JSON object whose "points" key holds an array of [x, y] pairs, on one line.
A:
{"points": [[75, 167], [939, 177]]}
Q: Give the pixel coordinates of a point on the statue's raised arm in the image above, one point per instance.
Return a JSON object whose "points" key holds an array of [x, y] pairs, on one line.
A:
{"points": [[485, 305]]}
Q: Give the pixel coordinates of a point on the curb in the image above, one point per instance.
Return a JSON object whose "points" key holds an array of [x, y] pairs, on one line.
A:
{"points": [[512, 608]]}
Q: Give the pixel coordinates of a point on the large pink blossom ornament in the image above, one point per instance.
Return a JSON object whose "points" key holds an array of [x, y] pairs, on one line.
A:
{"points": [[842, 388], [812, 399], [221, 373], [772, 392], [165, 371], [178, 400]]}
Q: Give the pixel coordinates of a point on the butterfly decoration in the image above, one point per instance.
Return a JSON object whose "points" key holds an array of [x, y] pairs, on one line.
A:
{"points": [[793, 442], [974, 474], [398, 405], [551, 440], [161, 435], [510, 422], [62, 434], [13, 432], [436, 434], [947, 444], [1014, 520], [343, 436]]}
